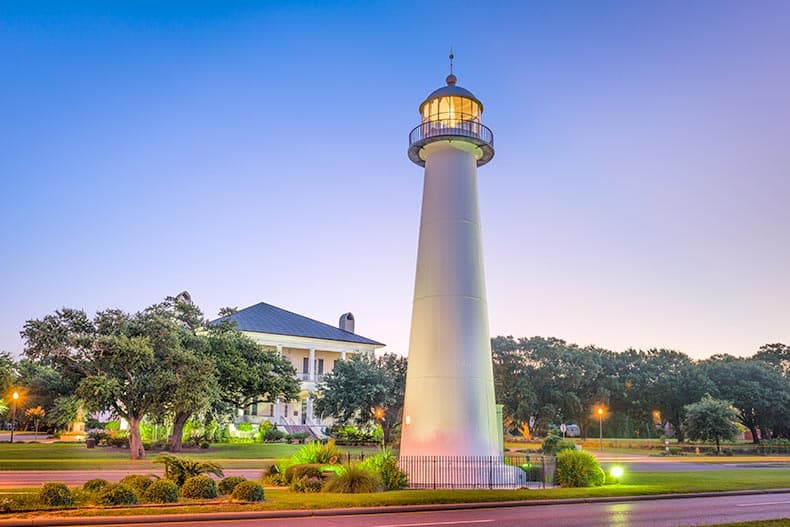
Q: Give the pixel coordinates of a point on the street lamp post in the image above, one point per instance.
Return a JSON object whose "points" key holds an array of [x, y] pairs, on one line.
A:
{"points": [[599, 411], [378, 415], [15, 396]]}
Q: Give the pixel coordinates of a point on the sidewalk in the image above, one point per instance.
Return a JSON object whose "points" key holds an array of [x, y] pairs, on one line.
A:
{"points": [[256, 515]]}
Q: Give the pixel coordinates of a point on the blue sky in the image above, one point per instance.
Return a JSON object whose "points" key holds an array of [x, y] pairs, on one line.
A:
{"points": [[256, 151]]}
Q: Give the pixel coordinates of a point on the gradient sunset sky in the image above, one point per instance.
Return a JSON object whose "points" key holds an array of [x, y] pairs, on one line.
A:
{"points": [[256, 151]]}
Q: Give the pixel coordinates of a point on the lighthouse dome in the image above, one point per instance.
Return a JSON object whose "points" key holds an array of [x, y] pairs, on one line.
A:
{"points": [[452, 114]]}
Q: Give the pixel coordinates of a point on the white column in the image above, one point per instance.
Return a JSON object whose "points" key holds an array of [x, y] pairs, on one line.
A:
{"points": [[343, 355], [449, 404], [311, 365], [280, 350], [310, 408], [277, 411]]}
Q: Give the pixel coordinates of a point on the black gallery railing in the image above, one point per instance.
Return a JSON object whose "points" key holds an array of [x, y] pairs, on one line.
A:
{"points": [[479, 472], [434, 129]]}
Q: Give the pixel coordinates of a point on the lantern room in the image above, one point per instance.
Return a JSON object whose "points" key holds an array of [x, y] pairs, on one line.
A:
{"points": [[452, 114]]}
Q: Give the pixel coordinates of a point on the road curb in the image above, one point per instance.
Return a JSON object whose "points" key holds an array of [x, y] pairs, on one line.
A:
{"points": [[261, 515]]}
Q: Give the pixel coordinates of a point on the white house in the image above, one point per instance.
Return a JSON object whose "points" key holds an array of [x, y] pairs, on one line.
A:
{"points": [[313, 348]]}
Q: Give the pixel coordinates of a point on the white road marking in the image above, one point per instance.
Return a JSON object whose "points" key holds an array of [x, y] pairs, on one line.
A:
{"points": [[463, 522], [762, 503]]}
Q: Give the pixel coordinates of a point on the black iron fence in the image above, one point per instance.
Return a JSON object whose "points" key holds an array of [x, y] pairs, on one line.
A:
{"points": [[479, 472]]}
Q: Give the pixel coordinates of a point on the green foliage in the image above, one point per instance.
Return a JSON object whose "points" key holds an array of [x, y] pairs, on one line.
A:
{"points": [[55, 495], [711, 420], [161, 491], [359, 385], [307, 484], [275, 434], [137, 482], [579, 469], [355, 480], [248, 491], [244, 427], [117, 495], [553, 445], [179, 469], [317, 452], [94, 485], [295, 472], [227, 485], [384, 466], [199, 487]]}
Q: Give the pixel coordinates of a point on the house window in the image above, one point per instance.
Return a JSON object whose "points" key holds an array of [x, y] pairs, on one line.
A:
{"points": [[320, 367], [306, 365]]}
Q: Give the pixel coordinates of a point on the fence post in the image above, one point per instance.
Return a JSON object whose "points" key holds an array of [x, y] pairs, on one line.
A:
{"points": [[434, 472]]}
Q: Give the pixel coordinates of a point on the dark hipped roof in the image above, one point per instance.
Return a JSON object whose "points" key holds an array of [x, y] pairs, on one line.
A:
{"points": [[265, 318]]}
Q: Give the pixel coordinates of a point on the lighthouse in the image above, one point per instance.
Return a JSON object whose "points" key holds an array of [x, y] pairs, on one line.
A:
{"points": [[449, 408]]}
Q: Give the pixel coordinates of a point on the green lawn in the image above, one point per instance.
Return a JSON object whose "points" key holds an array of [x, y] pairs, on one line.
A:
{"points": [[74, 456], [633, 484]]}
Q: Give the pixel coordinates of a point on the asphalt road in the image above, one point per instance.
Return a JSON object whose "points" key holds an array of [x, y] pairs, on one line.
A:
{"points": [[655, 513]]}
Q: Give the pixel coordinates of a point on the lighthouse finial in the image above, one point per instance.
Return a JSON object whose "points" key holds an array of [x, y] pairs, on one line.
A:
{"points": [[451, 79]]}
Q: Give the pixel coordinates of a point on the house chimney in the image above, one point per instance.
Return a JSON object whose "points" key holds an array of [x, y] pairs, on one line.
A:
{"points": [[347, 322]]}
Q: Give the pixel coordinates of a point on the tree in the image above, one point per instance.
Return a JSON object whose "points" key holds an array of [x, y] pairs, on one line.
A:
{"points": [[357, 387], [36, 414], [246, 373], [117, 357], [711, 420], [758, 390]]}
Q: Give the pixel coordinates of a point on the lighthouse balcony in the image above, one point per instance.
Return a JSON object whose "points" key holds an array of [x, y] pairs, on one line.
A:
{"points": [[479, 135]]}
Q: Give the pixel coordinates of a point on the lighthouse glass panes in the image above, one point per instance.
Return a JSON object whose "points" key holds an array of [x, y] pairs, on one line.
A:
{"points": [[449, 111]]}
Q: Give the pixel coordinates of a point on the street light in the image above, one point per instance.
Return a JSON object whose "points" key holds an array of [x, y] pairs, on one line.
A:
{"points": [[378, 415], [15, 396], [599, 412]]}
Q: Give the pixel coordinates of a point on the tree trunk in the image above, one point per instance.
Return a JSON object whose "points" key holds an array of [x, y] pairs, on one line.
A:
{"points": [[755, 435], [136, 450], [179, 421], [718, 448]]}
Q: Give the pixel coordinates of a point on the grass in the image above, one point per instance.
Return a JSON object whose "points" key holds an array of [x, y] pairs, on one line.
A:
{"points": [[75, 456], [785, 522], [641, 483]]}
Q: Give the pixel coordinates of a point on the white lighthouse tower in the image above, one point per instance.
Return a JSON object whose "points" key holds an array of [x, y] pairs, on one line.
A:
{"points": [[449, 408]]}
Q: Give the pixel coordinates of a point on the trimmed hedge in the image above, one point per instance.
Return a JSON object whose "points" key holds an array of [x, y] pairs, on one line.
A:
{"points": [[227, 485], [295, 472], [95, 485], [579, 469], [199, 488], [55, 495], [161, 491], [117, 495], [248, 491], [137, 483]]}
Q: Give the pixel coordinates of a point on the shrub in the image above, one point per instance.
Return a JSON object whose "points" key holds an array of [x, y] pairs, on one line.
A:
{"points": [[55, 495], [199, 487], [139, 484], [179, 469], [355, 480], [385, 466], [553, 445], [273, 435], [317, 452], [94, 485], [299, 471], [117, 495], [248, 491], [204, 445], [298, 436], [161, 491], [307, 484], [578, 469], [227, 485]]}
